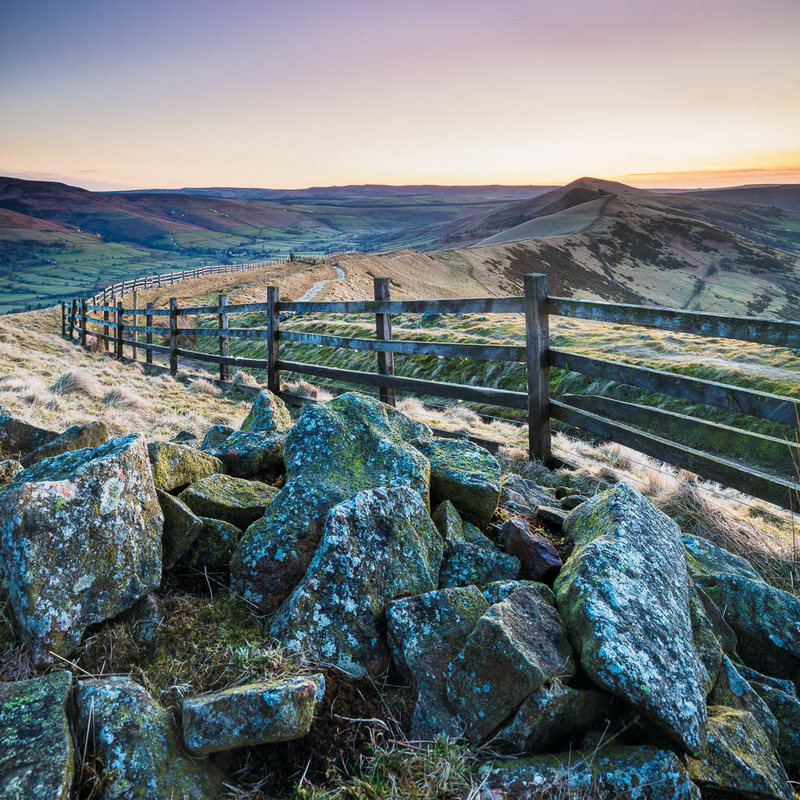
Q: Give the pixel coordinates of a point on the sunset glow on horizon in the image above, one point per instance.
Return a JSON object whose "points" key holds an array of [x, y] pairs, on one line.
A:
{"points": [[683, 94]]}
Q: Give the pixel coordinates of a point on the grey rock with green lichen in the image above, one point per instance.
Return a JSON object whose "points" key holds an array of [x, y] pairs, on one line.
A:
{"points": [[37, 758], [766, 621], [709, 651], [463, 473], [122, 723], [426, 633], [334, 451], [471, 564], [522, 496], [80, 538], [235, 500], [250, 454], [738, 759], [624, 598], [706, 558], [268, 413], [633, 773], [257, 713], [786, 709], [377, 546], [499, 590], [213, 546], [516, 647], [552, 715], [18, 437], [177, 465], [181, 528], [215, 436], [449, 523], [9, 469], [78, 437], [753, 676]]}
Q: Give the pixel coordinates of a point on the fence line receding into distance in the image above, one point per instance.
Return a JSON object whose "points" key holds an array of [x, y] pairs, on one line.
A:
{"points": [[684, 441]]}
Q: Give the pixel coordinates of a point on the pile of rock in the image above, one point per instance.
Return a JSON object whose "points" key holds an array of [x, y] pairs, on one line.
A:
{"points": [[380, 551]]}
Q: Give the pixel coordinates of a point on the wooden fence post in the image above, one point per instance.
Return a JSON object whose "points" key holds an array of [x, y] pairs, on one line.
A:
{"points": [[273, 349], [120, 329], [537, 341], [224, 341], [63, 319], [105, 327], [383, 330], [83, 322], [148, 337], [173, 336], [72, 315], [135, 337]]}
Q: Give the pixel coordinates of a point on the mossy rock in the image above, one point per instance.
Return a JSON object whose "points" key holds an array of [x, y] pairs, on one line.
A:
{"points": [[706, 558], [709, 651], [18, 438], [738, 759], [250, 454], [80, 539], [611, 772], [449, 524], [137, 741], [499, 590], [235, 500], [213, 546], [471, 564], [426, 632], [178, 465], [77, 437], [181, 527], [378, 546], [515, 648], [215, 436], [253, 714], [624, 598], [37, 758], [785, 707], [268, 414]]}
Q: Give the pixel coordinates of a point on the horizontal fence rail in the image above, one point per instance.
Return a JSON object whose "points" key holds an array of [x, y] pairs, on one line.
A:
{"points": [[716, 451]]}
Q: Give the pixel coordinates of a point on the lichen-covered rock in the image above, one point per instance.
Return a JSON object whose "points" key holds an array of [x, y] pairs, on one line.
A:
{"points": [[426, 633], [257, 713], [235, 500], [552, 715], [181, 527], [733, 691], [18, 438], [624, 598], [754, 677], [177, 465], [213, 546], [766, 621], [334, 451], [706, 558], [629, 773], [377, 546], [723, 632], [250, 454], [9, 469], [522, 496], [37, 757], [463, 473], [78, 437], [738, 759], [785, 707], [516, 647], [215, 437], [268, 413], [708, 648], [80, 540], [475, 561], [121, 721], [540, 560], [499, 590], [449, 523]]}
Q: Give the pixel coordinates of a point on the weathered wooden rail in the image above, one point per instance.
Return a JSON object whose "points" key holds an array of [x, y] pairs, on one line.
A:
{"points": [[717, 452]]}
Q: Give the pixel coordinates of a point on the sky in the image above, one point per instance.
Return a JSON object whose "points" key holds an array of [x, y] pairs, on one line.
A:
{"points": [[176, 93]]}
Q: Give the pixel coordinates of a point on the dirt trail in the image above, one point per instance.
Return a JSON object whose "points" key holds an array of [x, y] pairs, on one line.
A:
{"points": [[314, 291]]}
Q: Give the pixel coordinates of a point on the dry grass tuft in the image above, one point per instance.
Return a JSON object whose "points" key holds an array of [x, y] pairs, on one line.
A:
{"points": [[126, 399], [203, 386], [77, 381], [241, 378]]}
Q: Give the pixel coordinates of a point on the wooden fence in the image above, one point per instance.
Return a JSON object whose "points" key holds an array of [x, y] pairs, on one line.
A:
{"points": [[684, 441]]}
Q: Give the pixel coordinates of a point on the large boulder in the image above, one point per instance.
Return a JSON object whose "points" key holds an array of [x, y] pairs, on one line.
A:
{"points": [[377, 546], [18, 438], [624, 597], [37, 758], [78, 437], [473, 560], [786, 709], [766, 621], [120, 721], [235, 500], [516, 647], [463, 473], [632, 773], [738, 759], [181, 527], [334, 451], [268, 413], [257, 713], [709, 650], [539, 559], [80, 540], [177, 465], [250, 454], [426, 633], [703, 557]]}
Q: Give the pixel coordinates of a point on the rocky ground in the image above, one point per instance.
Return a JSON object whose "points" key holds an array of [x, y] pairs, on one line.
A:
{"points": [[347, 606]]}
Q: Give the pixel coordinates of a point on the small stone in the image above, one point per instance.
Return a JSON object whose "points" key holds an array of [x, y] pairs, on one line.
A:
{"points": [[215, 437], [214, 545], [9, 469], [470, 564], [268, 413], [37, 758], [522, 496], [251, 454], [572, 501], [77, 437], [785, 707], [555, 516], [257, 713], [18, 438], [235, 500], [499, 590], [448, 522], [540, 560], [181, 528], [177, 465]]}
